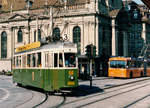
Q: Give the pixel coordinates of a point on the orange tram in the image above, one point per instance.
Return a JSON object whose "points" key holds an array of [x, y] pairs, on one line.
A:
{"points": [[127, 67]]}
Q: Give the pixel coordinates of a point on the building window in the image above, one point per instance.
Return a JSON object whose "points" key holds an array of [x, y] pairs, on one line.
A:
{"points": [[112, 1], [77, 38], [4, 45], [56, 33], [39, 34], [35, 36], [20, 35]]}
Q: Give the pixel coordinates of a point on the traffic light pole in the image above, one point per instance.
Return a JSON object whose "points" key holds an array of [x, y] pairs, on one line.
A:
{"points": [[90, 73], [90, 53]]}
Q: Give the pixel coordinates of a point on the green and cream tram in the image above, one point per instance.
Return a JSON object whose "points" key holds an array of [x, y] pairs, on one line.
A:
{"points": [[51, 67]]}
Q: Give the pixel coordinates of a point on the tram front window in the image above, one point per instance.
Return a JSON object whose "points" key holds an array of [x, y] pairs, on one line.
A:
{"points": [[117, 64], [60, 60], [70, 60], [28, 60]]}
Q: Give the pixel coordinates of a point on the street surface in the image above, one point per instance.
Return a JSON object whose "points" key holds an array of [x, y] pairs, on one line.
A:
{"points": [[105, 93]]}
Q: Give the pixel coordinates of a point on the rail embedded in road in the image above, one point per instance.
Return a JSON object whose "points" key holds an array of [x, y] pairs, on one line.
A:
{"points": [[4, 94]]}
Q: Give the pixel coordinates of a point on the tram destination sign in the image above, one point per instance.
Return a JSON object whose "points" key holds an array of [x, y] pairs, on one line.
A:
{"points": [[28, 46]]}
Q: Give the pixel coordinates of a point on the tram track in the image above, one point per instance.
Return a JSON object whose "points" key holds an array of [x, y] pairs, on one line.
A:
{"points": [[38, 99], [44, 103], [60, 104], [98, 100], [18, 105], [46, 97], [31, 101], [63, 101], [137, 101], [104, 93]]}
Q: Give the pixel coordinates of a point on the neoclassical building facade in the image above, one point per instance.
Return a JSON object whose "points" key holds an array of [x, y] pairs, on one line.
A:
{"points": [[82, 21]]}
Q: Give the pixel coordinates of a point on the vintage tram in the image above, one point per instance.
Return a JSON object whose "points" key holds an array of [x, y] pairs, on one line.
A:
{"points": [[51, 67], [127, 67]]}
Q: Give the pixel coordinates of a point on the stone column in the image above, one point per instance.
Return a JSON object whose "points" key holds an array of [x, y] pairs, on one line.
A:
{"points": [[125, 44], [114, 39], [37, 27], [144, 32], [12, 41]]}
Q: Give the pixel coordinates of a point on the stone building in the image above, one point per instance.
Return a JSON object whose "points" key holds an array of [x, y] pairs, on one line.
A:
{"points": [[83, 21], [130, 29], [103, 23]]}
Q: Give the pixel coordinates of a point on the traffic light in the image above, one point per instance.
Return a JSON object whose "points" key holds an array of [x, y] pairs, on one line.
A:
{"points": [[88, 51]]}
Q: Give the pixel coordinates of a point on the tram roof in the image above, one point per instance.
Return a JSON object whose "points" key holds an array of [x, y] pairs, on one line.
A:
{"points": [[126, 58], [53, 46]]}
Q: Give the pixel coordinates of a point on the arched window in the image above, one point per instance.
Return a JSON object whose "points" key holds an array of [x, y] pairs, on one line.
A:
{"points": [[77, 38], [4, 45], [20, 35], [39, 34], [56, 33]]}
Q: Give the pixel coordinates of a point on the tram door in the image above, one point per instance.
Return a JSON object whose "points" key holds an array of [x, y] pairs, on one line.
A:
{"points": [[48, 71], [55, 72]]}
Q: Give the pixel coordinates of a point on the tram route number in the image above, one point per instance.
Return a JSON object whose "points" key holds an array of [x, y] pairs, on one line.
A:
{"points": [[71, 83], [65, 37]]}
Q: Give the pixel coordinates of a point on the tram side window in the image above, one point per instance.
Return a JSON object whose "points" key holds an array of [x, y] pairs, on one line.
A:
{"points": [[148, 64], [28, 60], [131, 64], [24, 61], [60, 60], [50, 59], [55, 60], [17, 61], [39, 60], [139, 64], [20, 61], [134, 64], [46, 60], [33, 60]]}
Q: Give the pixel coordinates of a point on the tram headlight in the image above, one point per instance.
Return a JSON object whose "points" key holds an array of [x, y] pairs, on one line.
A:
{"points": [[71, 78]]}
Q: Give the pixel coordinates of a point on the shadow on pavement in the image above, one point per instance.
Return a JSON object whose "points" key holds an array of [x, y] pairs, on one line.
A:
{"points": [[84, 90]]}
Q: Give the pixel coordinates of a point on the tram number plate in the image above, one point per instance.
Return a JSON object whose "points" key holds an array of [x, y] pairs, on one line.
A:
{"points": [[71, 83]]}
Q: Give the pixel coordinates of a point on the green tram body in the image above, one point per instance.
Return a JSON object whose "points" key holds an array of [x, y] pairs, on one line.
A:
{"points": [[52, 78]]}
